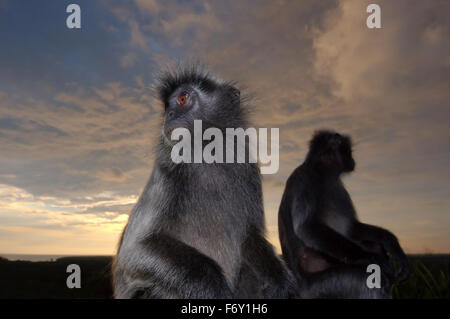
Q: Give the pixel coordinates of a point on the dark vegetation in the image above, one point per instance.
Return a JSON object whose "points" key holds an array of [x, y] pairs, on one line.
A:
{"points": [[47, 279], [430, 278]]}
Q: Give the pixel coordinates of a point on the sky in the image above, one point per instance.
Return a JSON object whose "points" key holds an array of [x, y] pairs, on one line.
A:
{"points": [[79, 120]]}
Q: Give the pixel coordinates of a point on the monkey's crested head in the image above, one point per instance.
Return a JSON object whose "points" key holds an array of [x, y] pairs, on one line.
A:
{"points": [[191, 93], [331, 151]]}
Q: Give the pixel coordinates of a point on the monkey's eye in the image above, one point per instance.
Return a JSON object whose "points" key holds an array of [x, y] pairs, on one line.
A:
{"points": [[183, 98]]}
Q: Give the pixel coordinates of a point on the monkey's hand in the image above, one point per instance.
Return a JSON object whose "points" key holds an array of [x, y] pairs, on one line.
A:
{"points": [[395, 252], [281, 285], [277, 281], [379, 257], [391, 249], [385, 266]]}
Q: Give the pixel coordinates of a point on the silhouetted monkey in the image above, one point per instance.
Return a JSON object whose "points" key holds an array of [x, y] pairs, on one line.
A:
{"points": [[323, 243], [197, 230]]}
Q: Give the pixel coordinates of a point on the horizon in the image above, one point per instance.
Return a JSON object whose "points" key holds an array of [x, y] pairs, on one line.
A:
{"points": [[43, 257]]}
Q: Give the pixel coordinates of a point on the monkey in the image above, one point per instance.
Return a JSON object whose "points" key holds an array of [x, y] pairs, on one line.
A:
{"points": [[323, 242], [197, 230]]}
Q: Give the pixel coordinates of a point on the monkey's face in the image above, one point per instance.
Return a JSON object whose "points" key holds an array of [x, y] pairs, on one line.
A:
{"points": [[340, 152], [333, 151], [344, 150], [215, 107]]}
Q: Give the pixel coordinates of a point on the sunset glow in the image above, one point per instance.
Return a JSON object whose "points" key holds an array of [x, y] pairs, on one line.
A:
{"points": [[79, 120]]}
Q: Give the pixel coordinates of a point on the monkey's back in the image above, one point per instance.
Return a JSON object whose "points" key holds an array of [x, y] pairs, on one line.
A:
{"points": [[293, 212]]}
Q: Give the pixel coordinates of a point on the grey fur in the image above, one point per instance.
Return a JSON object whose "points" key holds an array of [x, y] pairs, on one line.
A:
{"points": [[197, 230]]}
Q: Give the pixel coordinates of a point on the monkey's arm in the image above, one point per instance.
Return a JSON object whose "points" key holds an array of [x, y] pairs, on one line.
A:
{"points": [[326, 240], [318, 236], [278, 280], [389, 243], [164, 266]]}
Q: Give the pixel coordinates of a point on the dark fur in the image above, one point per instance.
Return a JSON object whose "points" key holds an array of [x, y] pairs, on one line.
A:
{"points": [[197, 230], [323, 243]]}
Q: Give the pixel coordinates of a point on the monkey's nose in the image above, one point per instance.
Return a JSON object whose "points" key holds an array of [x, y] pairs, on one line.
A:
{"points": [[170, 114]]}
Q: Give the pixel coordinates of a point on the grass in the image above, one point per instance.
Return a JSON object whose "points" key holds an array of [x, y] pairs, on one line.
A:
{"points": [[430, 278]]}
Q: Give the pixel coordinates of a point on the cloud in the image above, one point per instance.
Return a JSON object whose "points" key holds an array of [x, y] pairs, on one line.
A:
{"points": [[78, 119], [150, 6], [178, 23], [79, 141], [388, 60], [32, 224]]}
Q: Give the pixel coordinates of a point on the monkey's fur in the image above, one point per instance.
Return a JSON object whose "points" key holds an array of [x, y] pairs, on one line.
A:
{"points": [[323, 242], [197, 230]]}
